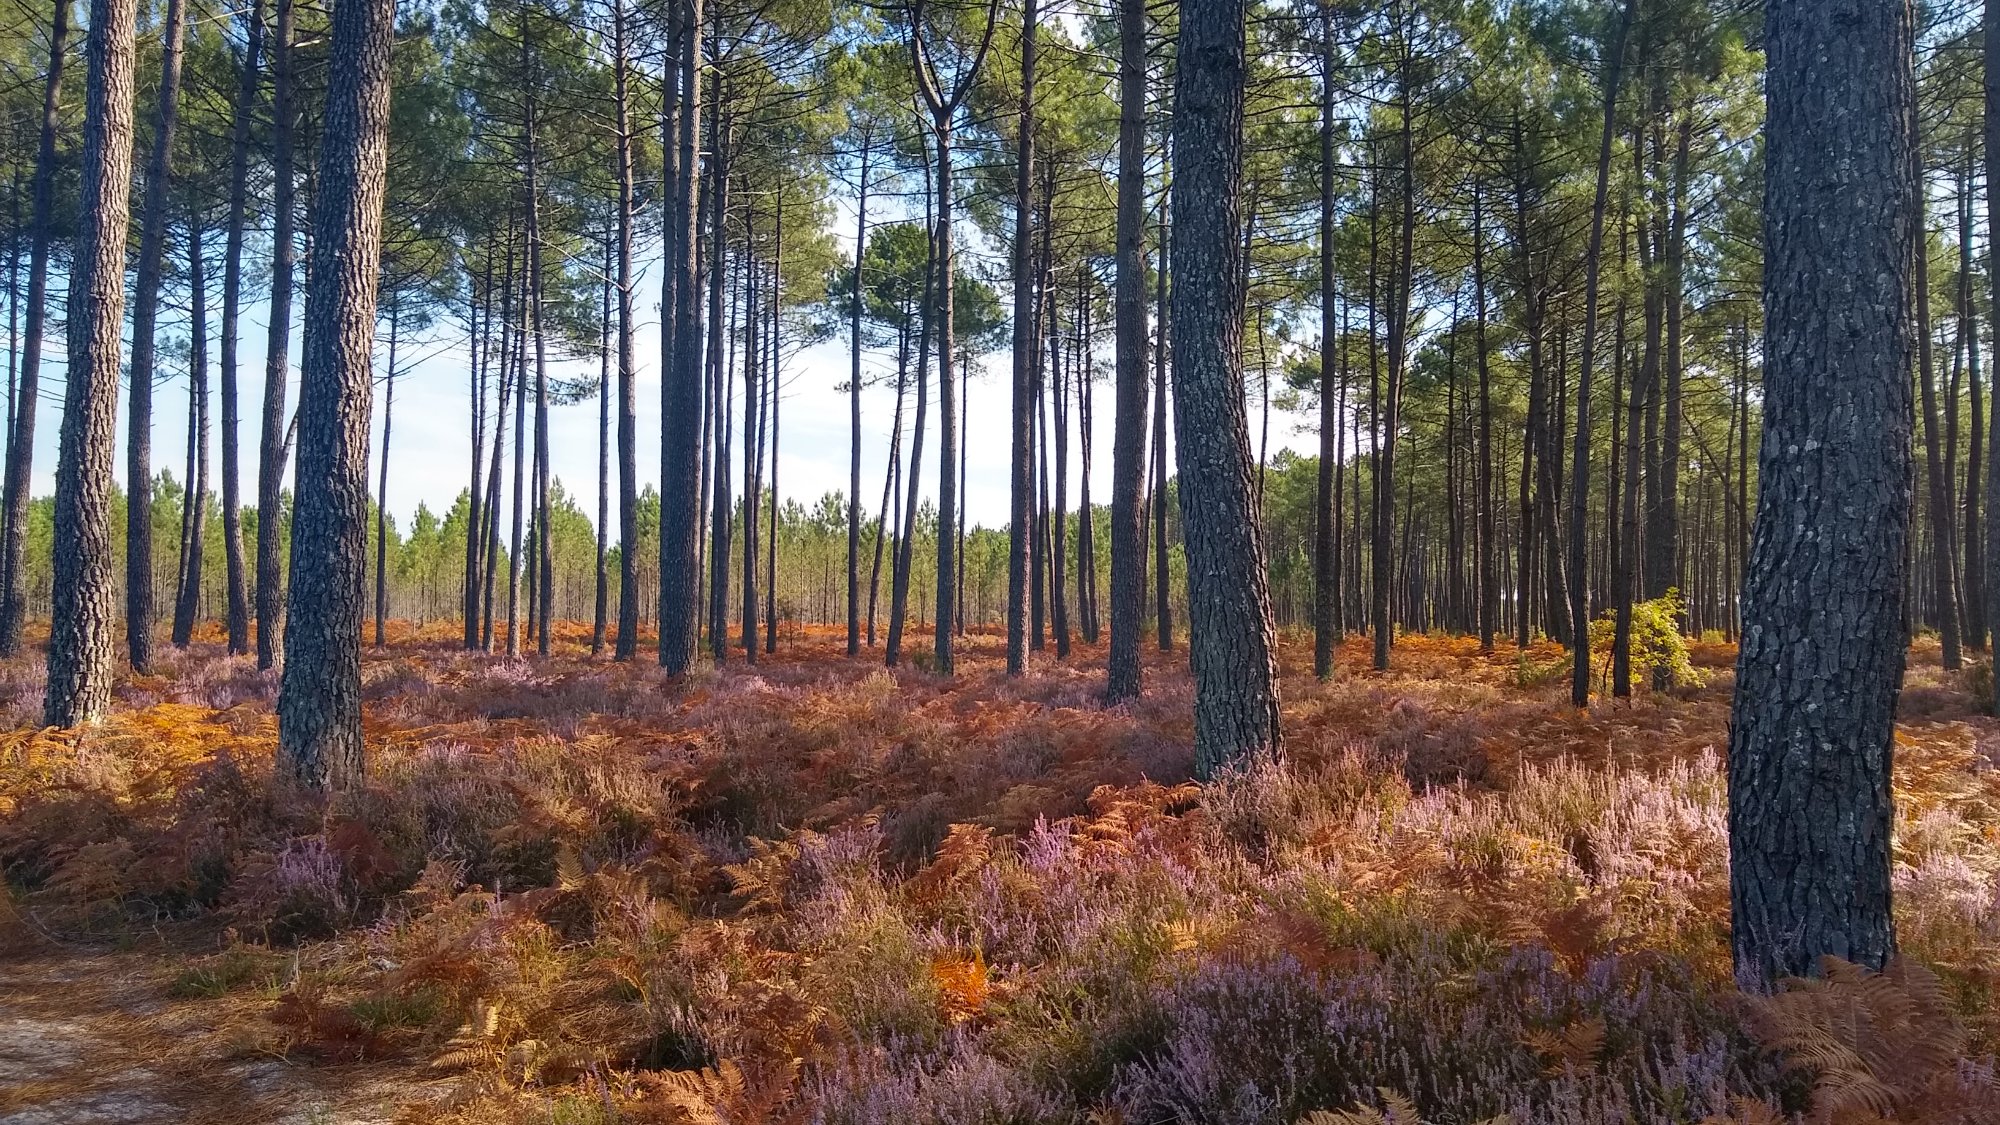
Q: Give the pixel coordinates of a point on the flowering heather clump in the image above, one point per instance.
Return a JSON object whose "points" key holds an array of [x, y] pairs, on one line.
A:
{"points": [[817, 891]]}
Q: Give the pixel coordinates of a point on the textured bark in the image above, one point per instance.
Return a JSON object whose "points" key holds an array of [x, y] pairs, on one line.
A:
{"points": [[232, 303], [1821, 661], [1231, 637], [681, 400], [187, 602], [139, 597], [1020, 476], [626, 646], [79, 661], [277, 352], [319, 696], [21, 442]]}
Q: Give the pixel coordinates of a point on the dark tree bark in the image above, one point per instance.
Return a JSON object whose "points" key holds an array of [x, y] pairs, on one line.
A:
{"points": [[1326, 564], [1579, 484], [1231, 637], [1486, 551], [1990, 81], [627, 644], [232, 303], [277, 351], [1938, 506], [681, 400], [187, 602], [854, 311], [139, 600], [899, 581], [1381, 566], [1968, 317], [1020, 521], [382, 490], [1821, 663], [319, 695], [943, 104], [79, 661], [1163, 606], [600, 623], [21, 441]]}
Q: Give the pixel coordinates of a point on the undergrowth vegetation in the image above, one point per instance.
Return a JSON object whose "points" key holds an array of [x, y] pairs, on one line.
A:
{"points": [[816, 891]]}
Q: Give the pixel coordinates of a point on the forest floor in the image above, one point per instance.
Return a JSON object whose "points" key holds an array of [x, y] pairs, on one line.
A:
{"points": [[816, 890]]}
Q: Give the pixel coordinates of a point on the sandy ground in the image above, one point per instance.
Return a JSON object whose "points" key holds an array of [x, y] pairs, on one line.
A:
{"points": [[92, 1037]]}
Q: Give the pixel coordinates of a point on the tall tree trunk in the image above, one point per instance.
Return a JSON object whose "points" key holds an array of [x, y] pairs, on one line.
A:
{"points": [[600, 623], [627, 644], [1486, 551], [79, 661], [187, 603], [1938, 506], [1821, 664], [1579, 484], [21, 441], [854, 311], [506, 391], [1976, 592], [232, 303], [1231, 638], [479, 327], [319, 695], [899, 583], [139, 601], [1382, 567], [718, 270], [277, 350], [1326, 564], [1020, 521], [382, 490], [1059, 518], [773, 372], [755, 388], [681, 397], [1163, 607]]}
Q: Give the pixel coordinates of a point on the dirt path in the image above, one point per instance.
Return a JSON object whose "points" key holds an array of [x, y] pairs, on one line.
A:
{"points": [[93, 1038]]}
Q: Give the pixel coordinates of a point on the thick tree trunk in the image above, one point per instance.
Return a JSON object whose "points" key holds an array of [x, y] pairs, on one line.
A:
{"points": [[139, 599], [681, 397], [319, 696], [1231, 638], [21, 442], [232, 303], [1821, 663], [79, 662]]}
